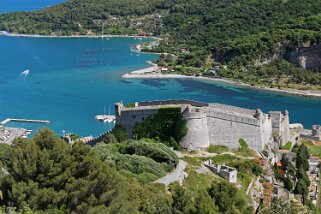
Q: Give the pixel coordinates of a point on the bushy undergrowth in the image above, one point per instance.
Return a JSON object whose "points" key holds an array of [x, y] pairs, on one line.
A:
{"points": [[145, 161]]}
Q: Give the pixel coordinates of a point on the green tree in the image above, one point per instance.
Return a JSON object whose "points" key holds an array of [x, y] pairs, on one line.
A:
{"points": [[204, 204], [3, 152], [302, 158], [302, 165], [288, 184], [120, 133], [281, 206], [228, 199], [181, 200], [110, 138], [45, 173], [287, 166], [302, 189]]}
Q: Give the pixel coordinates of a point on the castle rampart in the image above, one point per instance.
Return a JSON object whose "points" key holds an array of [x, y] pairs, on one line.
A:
{"points": [[213, 124]]}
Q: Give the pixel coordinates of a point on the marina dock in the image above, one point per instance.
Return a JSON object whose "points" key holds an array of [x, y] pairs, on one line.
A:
{"points": [[23, 121]]}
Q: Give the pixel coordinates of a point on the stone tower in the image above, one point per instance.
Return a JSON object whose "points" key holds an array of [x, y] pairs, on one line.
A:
{"points": [[197, 137]]}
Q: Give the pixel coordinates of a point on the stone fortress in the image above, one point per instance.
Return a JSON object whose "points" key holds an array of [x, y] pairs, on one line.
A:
{"points": [[213, 124]]}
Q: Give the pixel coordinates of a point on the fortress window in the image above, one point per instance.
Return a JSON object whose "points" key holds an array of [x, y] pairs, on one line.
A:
{"points": [[143, 118], [134, 116]]}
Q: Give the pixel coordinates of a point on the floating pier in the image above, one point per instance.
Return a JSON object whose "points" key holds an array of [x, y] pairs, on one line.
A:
{"points": [[23, 121]]}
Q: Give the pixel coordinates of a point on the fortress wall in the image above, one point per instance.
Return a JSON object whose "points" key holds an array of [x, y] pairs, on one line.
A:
{"points": [[173, 102], [227, 133], [280, 126], [197, 135], [128, 119], [213, 124], [285, 134], [266, 131], [235, 118]]}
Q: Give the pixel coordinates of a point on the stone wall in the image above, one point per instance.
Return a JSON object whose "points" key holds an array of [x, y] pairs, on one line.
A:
{"points": [[266, 130], [225, 172], [129, 118], [173, 102], [280, 126], [228, 133]]}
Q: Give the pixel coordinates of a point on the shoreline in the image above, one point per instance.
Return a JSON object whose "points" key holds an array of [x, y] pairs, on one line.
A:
{"points": [[78, 36], [149, 73]]}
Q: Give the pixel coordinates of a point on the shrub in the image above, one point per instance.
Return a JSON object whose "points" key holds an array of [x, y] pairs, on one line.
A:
{"points": [[156, 151], [120, 133], [130, 105], [243, 143], [250, 167], [287, 146], [227, 198], [217, 149], [110, 138], [145, 161]]}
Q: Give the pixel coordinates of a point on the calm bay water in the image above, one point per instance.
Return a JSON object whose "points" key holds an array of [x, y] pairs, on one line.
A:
{"points": [[25, 5], [70, 81]]}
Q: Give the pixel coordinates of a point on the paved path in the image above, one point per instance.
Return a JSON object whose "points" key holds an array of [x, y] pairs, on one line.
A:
{"points": [[204, 154], [177, 174]]}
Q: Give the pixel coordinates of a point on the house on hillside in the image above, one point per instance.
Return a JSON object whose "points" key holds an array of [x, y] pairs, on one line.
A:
{"points": [[314, 162]]}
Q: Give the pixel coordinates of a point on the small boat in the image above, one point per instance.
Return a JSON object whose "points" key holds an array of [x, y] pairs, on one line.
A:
{"points": [[106, 118]]}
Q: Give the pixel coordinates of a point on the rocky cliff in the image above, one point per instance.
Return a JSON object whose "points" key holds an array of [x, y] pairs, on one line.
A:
{"points": [[306, 57]]}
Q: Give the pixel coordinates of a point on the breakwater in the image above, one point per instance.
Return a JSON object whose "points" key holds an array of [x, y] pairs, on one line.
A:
{"points": [[8, 120]]}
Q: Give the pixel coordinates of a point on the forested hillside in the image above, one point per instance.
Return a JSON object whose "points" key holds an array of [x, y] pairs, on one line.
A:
{"points": [[245, 35], [46, 175]]}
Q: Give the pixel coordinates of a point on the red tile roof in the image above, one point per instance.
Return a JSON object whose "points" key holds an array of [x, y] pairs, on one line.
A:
{"points": [[283, 151]]}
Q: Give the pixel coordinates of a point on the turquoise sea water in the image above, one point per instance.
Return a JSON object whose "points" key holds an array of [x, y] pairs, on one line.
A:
{"points": [[70, 81], [25, 5]]}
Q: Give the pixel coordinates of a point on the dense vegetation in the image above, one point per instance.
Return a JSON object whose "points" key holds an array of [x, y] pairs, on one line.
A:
{"points": [[46, 175], [200, 34], [167, 125], [147, 161]]}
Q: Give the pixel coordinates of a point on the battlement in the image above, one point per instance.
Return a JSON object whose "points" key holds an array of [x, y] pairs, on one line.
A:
{"points": [[173, 102]]}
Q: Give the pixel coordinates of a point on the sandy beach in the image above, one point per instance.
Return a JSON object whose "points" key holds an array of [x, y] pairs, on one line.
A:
{"points": [[149, 73]]}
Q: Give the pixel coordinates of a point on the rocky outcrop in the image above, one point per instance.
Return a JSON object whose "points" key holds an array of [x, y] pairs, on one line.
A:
{"points": [[306, 57]]}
